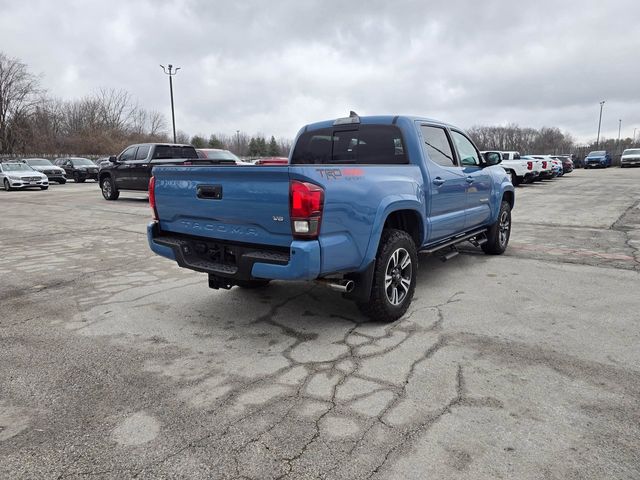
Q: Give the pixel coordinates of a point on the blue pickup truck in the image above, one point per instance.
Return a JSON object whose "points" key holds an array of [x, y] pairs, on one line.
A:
{"points": [[360, 199]]}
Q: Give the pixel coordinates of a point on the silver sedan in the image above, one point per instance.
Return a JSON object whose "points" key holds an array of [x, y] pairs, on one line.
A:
{"points": [[20, 175]]}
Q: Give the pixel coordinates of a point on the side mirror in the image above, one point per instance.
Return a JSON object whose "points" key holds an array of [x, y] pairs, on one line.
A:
{"points": [[113, 159], [492, 158]]}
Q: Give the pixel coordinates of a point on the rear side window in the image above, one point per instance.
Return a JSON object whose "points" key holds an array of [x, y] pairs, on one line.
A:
{"points": [[171, 151], [367, 144], [437, 146]]}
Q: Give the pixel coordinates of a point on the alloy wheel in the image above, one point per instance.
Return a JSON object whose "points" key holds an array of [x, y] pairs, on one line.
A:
{"points": [[397, 279], [504, 228]]}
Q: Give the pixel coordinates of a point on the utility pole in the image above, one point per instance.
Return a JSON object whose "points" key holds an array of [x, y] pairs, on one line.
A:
{"points": [[238, 141], [599, 123], [170, 71]]}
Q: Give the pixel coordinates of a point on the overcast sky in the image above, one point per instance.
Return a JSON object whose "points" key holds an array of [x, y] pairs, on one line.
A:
{"points": [[271, 66]]}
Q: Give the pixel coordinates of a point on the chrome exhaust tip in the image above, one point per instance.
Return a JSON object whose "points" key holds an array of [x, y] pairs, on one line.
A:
{"points": [[342, 286]]}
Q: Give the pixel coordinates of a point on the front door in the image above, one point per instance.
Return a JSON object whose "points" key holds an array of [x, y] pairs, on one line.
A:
{"points": [[122, 171], [446, 192], [478, 180]]}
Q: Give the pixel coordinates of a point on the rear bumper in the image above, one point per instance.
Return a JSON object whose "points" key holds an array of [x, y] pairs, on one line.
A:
{"points": [[236, 260]]}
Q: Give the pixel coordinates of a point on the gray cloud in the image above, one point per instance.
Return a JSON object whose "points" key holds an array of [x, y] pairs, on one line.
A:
{"points": [[272, 66]]}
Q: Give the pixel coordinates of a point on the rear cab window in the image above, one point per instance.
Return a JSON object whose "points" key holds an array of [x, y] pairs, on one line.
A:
{"points": [[363, 145], [173, 151]]}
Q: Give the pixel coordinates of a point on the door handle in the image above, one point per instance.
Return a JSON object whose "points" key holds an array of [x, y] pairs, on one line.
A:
{"points": [[469, 179], [209, 192], [438, 181]]}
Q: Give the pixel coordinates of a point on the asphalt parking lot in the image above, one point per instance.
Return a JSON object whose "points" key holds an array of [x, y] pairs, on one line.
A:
{"points": [[115, 363]]}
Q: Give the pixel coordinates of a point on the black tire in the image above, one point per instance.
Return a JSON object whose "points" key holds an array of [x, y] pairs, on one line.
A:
{"points": [[499, 233], [44, 188], [7, 185], [62, 181], [109, 190], [390, 276], [514, 178], [252, 284]]}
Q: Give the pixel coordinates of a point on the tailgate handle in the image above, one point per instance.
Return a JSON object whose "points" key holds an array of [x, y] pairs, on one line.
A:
{"points": [[210, 192]]}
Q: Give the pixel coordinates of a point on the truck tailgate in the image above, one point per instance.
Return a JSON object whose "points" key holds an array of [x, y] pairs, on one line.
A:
{"points": [[234, 203]]}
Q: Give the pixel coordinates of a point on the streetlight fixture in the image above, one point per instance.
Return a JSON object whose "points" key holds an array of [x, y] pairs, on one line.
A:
{"points": [[599, 123], [171, 71]]}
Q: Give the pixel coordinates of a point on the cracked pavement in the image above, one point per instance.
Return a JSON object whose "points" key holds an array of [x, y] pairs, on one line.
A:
{"points": [[119, 364]]}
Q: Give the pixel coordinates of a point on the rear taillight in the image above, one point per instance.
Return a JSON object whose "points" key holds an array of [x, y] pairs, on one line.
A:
{"points": [[529, 165], [152, 197], [544, 164], [306, 201]]}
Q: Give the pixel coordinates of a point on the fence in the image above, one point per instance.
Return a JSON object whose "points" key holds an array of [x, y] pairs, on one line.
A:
{"points": [[48, 156]]}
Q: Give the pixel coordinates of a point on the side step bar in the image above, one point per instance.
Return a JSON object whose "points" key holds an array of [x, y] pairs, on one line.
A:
{"points": [[463, 238]]}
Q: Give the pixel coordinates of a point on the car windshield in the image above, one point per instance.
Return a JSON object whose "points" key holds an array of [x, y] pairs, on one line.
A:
{"points": [[82, 161], [598, 153], [635, 151], [220, 155], [16, 167], [39, 162]]}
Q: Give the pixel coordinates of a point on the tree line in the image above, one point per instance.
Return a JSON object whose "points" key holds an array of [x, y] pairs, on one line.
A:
{"points": [[243, 145], [545, 140], [102, 123]]}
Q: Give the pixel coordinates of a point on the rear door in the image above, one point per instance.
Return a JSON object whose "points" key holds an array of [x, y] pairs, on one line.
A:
{"points": [[447, 191], [478, 182]]}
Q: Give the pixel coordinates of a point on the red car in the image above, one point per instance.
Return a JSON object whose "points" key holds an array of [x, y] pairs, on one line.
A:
{"points": [[272, 161]]}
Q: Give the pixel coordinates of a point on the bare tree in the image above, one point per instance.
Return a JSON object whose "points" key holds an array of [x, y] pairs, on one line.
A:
{"points": [[157, 124], [19, 94]]}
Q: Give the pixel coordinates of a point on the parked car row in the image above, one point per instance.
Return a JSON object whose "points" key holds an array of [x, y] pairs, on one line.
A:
{"points": [[532, 168], [59, 171]]}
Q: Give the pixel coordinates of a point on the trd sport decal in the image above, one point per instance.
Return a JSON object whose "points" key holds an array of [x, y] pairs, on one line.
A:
{"points": [[338, 173]]}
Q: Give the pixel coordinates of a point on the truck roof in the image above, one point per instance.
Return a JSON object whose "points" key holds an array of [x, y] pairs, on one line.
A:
{"points": [[376, 119]]}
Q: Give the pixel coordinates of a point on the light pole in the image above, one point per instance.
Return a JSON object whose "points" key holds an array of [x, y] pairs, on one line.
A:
{"points": [[599, 123], [619, 127], [170, 71], [634, 136], [238, 141]]}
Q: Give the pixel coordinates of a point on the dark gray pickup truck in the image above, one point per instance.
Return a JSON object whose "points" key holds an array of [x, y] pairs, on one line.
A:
{"points": [[131, 170]]}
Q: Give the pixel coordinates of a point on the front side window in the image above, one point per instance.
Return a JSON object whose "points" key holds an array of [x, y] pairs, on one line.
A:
{"points": [[128, 154], [437, 145], [466, 150]]}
